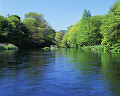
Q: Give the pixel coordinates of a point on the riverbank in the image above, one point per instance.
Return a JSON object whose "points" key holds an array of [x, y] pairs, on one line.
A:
{"points": [[5, 46], [94, 48], [100, 48]]}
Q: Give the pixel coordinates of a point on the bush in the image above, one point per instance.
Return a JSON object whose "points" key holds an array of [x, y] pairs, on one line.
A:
{"points": [[46, 48], [8, 47], [95, 47], [54, 48]]}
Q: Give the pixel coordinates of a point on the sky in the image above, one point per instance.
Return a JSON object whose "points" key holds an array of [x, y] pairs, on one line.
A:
{"points": [[60, 14]]}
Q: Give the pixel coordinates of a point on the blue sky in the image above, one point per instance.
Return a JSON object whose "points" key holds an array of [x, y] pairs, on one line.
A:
{"points": [[60, 14]]}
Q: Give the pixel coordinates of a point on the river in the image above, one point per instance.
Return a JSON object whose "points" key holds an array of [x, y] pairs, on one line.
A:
{"points": [[62, 72]]}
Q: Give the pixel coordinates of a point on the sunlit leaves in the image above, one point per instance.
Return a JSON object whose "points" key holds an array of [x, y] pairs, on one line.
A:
{"points": [[59, 37], [40, 33], [84, 32], [30, 23], [111, 28]]}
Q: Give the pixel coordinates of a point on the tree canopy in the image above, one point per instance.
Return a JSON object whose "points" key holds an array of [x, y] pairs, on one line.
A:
{"points": [[111, 28], [85, 32], [32, 32]]}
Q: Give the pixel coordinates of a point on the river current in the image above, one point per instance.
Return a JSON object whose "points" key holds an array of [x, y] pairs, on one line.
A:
{"points": [[62, 72]]}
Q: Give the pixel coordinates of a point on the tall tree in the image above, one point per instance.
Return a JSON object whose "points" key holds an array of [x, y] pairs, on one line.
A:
{"points": [[58, 37], [85, 15], [89, 14]]}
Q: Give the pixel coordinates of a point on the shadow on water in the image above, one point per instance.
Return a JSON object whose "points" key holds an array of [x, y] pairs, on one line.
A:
{"points": [[21, 70], [62, 72], [24, 59]]}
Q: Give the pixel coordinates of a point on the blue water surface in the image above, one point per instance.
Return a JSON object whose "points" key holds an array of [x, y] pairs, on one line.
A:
{"points": [[62, 72]]}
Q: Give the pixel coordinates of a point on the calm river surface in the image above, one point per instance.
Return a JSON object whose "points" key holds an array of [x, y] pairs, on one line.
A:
{"points": [[64, 72]]}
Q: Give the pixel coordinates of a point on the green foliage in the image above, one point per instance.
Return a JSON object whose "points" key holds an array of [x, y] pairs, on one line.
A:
{"points": [[46, 48], [18, 33], [33, 15], [8, 47], [33, 32], [86, 14], [111, 29], [85, 48], [93, 48], [30, 23], [84, 32], [59, 37], [115, 9], [14, 20], [89, 14], [5, 29], [64, 41], [72, 42], [39, 19], [54, 48], [40, 33], [89, 31]]}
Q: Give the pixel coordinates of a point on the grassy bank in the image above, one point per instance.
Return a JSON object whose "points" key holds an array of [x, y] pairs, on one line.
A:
{"points": [[94, 48], [100, 48], [4, 46]]}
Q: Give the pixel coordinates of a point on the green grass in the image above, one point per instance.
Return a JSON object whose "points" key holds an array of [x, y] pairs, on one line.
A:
{"points": [[8, 47], [94, 48]]}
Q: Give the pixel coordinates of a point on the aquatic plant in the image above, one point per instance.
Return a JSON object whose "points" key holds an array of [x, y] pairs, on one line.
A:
{"points": [[46, 48], [4, 46]]}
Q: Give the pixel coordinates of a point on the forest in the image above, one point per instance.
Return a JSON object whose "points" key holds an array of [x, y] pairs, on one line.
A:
{"points": [[35, 32], [94, 30]]}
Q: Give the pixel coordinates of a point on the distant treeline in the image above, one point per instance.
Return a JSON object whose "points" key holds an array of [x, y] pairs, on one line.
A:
{"points": [[32, 32], [95, 30]]}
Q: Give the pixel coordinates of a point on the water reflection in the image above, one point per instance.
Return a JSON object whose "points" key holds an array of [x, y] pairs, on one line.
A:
{"points": [[64, 72], [99, 71], [111, 71]]}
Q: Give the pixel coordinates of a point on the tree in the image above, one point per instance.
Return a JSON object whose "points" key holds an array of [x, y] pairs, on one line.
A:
{"points": [[30, 23], [33, 32], [17, 35], [38, 17], [85, 32], [115, 9], [86, 14], [40, 33], [5, 29], [89, 32], [58, 37], [72, 42], [111, 28]]}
